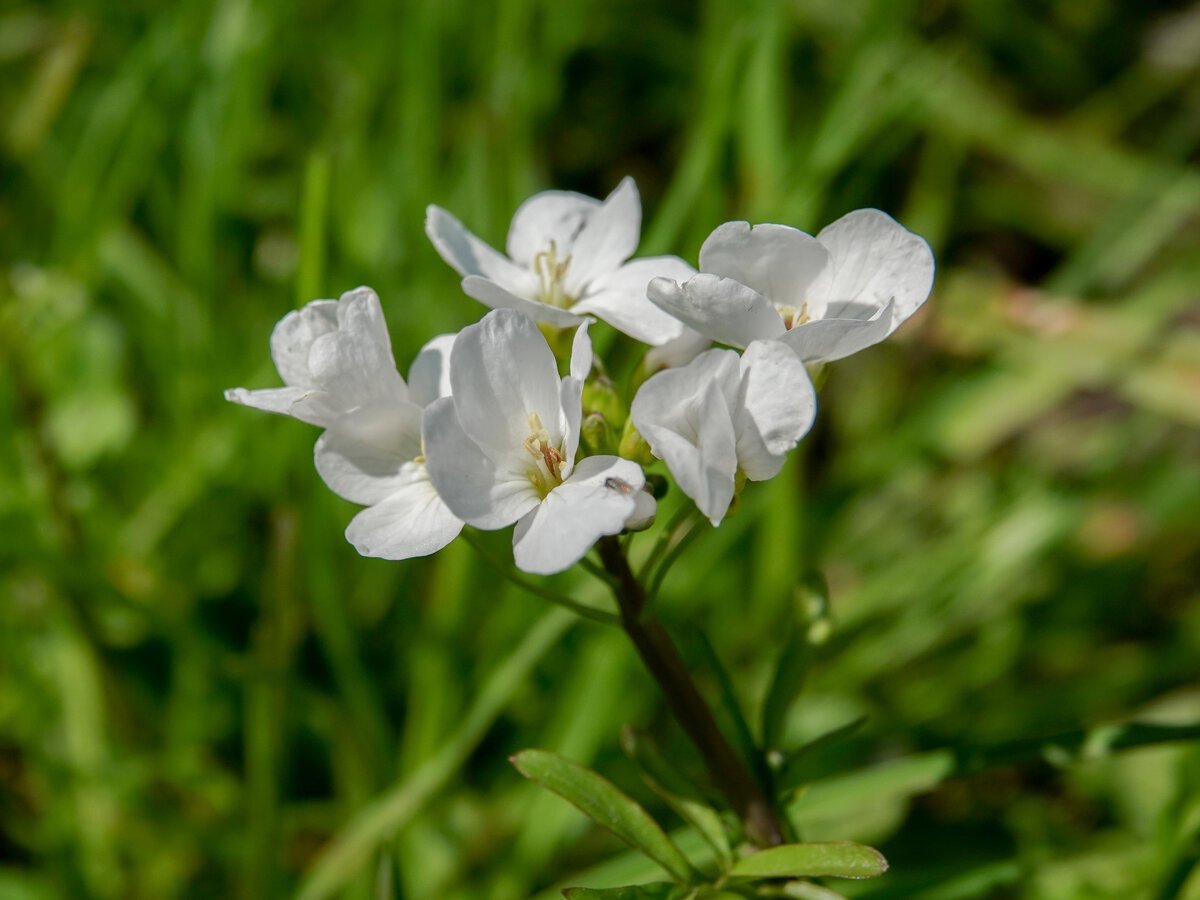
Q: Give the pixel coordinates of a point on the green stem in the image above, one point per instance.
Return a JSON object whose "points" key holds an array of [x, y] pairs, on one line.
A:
{"points": [[662, 659]]}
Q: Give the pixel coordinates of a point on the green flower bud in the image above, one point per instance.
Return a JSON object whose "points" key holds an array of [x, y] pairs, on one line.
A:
{"points": [[600, 395], [597, 437], [633, 446]]}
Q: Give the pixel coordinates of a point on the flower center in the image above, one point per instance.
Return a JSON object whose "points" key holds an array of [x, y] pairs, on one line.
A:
{"points": [[793, 315], [545, 474], [551, 271]]}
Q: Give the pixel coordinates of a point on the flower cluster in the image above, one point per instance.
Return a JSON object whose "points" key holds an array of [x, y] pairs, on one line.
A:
{"points": [[487, 433]]}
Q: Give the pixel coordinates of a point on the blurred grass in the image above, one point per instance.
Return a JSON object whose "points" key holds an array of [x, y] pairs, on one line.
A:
{"points": [[203, 689]]}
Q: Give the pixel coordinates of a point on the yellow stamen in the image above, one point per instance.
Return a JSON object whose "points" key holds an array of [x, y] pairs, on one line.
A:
{"points": [[551, 272]]}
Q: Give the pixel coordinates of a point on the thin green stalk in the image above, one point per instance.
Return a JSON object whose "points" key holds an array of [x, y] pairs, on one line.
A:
{"points": [[581, 609], [662, 659], [689, 534]]}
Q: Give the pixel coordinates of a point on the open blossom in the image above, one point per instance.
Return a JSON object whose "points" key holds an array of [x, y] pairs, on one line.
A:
{"points": [[335, 359], [825, 297], [722, 414], [567, 259], [502, 447]]}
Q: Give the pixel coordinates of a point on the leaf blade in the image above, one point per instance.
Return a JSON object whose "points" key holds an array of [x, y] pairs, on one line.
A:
{"points": [[832, 859], [604, 803]]}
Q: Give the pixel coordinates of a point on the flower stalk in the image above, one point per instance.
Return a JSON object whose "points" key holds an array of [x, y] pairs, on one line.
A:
{"points": [[662, 659]]}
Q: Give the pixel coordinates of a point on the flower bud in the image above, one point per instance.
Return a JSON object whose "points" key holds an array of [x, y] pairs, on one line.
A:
{"points": [[596, 435], [600, 395], [633, 446]]}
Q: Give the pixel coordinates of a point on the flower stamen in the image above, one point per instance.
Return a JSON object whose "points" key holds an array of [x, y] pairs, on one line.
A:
{"points": [[793, 315], [551, 273], [546, 472]]}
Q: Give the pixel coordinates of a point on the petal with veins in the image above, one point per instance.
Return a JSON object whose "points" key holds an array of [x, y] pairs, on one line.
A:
{"points": [[468, 255], [354, 363], [684, 416], [429, 374], [719, 308], [619, 298], [411, 522], [473, 486], [873, 260], [597, 500], [501, 371], [776, 407], [363, 455], [608, 238], [293, 336], [558, 216], [777, 261], [311, 406]]}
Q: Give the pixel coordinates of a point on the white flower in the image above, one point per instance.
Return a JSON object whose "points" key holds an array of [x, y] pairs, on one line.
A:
{"points": [[502, 447], [825, 297], [722, 414], [566, 259], [336, 359]]}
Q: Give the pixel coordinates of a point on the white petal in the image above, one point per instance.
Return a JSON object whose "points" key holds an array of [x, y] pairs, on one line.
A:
{"points": [[501, 371], [777, 261], [571, 395], [429, 375], [619, 298], [412, 522], [685, 418], [719, 308], [678, 352], [581, 353], [497, 297], [311, 406], [824, 340], [557, 216], [363, 455], [776, 408], [645, 508], [595, 501], [468, 255], [609, 236], [874, 259], [293, 336], [354, 363], [468, 480]]}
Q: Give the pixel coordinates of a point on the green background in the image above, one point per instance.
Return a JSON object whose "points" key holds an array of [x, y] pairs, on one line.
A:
{"points": [[205, 692]]}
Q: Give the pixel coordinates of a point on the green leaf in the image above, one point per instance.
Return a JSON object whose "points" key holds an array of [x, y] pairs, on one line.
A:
{"points": [[658, 891], [798, 767], [808, 628], [835, 859], [601, 800], [680, 795]]}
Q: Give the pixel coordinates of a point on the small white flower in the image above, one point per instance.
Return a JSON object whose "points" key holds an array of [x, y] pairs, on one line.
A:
{"points": [[825, 297], [502, 446], [722, 414], [567, 258], [336, 359]]}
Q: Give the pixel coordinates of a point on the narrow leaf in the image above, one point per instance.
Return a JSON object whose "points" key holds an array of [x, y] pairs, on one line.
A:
{"points": [[808, 629], [677, 792], [798, 767], [836, 859], [603, 802], [657, 891]]}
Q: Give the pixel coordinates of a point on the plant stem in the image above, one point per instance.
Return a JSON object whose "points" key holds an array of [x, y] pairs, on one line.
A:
{"points": [[660, 656]]}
